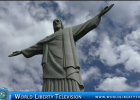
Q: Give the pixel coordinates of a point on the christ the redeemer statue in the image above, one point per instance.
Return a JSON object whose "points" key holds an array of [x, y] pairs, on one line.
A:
{"points": [[61, 70]]}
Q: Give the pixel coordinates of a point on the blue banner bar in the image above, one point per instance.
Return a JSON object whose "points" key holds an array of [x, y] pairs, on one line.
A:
{"points": [[74, 95]]}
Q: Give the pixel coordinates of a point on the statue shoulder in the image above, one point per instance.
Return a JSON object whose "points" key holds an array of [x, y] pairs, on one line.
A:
{"points": [[46, 39], [67, 29]]}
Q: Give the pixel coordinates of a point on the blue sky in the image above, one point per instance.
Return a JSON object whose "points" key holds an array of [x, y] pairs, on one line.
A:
{"points": [[109, 55]]}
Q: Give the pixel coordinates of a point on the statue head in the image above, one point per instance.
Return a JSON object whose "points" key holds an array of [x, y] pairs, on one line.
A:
{"points": [[57, 25]]}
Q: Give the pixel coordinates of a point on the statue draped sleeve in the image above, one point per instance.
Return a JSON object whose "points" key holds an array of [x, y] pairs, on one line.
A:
{"points": [[82, 29], [33, 50]]}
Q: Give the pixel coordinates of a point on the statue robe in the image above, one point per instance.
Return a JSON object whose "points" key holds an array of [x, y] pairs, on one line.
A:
{"points": [[61, 70]]}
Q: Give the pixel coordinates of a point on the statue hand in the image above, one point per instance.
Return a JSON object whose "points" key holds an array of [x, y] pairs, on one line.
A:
{"points": [[105, 10], [15, 53]]}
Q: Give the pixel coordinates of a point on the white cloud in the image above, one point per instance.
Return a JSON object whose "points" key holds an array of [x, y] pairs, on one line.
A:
{"points": [[117, 84], [114, 84], [63, 7], [133, 63], [106, 51], [133, 39], [120, 72], [90, 73], [126, 53], [129, 51], [124, 13], [108, 75], [89, 38]]}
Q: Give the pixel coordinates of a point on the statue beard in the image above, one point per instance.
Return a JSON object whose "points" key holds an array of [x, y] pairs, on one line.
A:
{"points": [[56, 28]]}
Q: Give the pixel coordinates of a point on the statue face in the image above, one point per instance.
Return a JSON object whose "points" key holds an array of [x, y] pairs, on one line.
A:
{"points": [[57, 24]]}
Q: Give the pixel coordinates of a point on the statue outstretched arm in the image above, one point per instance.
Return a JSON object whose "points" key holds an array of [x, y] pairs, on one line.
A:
{"points": [[29, 52], [80, 30], [105, 10], [15, 53]]}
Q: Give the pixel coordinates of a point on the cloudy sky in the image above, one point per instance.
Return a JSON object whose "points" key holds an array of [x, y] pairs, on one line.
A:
{"points": [[109, 55]]}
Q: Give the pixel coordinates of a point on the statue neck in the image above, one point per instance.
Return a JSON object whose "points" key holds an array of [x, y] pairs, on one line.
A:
{"points": [[57, 29]]}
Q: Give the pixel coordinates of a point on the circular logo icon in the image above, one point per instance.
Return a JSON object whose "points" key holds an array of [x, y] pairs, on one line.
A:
{"points": [[4, 94]]}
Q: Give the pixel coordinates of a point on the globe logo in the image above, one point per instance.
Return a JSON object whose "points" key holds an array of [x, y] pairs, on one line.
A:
{"points": [[4, 94]]}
